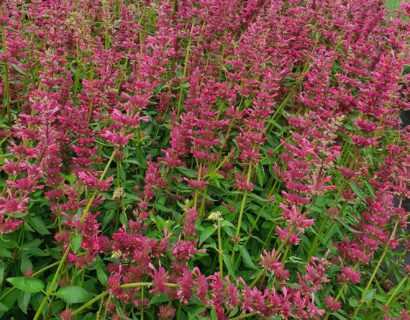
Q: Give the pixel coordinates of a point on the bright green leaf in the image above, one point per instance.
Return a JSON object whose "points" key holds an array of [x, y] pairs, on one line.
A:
{"points": [[27, 284], [74, 294], [76, 240]]}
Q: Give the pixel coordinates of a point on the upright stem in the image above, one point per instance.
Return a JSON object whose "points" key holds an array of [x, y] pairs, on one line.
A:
{"points": [[396, 290], [6, 70], [376, 269], [54, 282], [241, 211], [187, 53], [220, 250]]}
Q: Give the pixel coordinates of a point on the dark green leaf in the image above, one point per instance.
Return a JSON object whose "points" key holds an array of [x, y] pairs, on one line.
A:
{"points": [[228, 265], [246, 257], [2, 267], [206, 233], [187, 172], [38, 225], [23, 301], [3, 307], [357, 190]]}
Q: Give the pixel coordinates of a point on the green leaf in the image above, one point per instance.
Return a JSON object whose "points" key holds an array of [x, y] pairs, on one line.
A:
{"points": [[162, 208], [38, 225], [101, 274], [74, 294], [76, 240], [261, 175], [2, 267], [246, 258], [338, 315], [187, 172], [18, 69], [357, 190], [25, 264], [27, 284], [353, 302], [369, 295], [229, 266], [3, 307], [159, 299], [206, 233], [23, 301], [213, 314]]}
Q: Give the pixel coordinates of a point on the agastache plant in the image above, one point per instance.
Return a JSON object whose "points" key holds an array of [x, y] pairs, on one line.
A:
{"points": [[191, 159]]}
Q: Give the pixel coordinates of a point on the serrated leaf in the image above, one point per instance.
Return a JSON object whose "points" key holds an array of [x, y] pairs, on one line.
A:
{"points": [[27, 284], [74, 294], [76, 240]]}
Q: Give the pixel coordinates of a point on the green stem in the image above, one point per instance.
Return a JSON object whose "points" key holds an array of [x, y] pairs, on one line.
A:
{"points": [[187, 53], [396, 290], [220, 250], [6, 70], [241, 211], [89, 303], [315, 243], [123, 286], [9, 290], [90, 202], [54, 282], [376, 269], [142, 303], [339, 294], [258, 277], [196, 195]]}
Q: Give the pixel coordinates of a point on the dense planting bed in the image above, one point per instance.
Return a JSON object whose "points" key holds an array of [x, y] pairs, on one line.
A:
{"points": [[220, 159]]}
